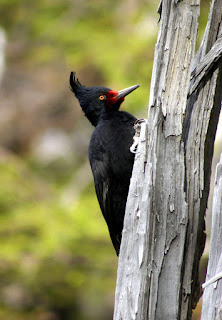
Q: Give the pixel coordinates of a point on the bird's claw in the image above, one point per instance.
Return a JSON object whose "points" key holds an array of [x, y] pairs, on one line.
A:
{"points": [[137, 127]]}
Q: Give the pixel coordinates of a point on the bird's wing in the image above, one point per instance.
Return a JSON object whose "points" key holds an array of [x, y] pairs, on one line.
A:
{"points": [[111, 163], [103, 186]]}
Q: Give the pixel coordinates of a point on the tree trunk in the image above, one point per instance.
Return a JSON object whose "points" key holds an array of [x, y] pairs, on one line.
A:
{"points": [[163, 235], [212, 298]]}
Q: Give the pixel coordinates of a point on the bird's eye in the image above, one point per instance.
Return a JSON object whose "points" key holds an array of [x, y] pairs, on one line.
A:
{"points": [[102, 97]]}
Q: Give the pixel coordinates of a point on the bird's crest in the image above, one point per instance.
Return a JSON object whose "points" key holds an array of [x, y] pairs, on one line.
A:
{"points": [[75, 85]]}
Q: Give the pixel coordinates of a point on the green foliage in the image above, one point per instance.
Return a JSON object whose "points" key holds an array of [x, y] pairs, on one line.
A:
{"points": [[108, 38], [50, 251]]}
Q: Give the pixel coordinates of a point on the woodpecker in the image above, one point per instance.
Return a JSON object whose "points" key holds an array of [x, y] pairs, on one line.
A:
{"points": [[109, 150]]}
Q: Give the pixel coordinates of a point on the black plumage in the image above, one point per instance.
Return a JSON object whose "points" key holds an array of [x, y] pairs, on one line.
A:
{"points": [[109, 150]]}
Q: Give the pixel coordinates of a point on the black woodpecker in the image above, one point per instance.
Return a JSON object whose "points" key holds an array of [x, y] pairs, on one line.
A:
{"points": [[109, 150]]}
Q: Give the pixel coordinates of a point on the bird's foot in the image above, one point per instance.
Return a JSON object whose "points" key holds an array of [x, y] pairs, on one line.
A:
{"points": [[137, 126]]}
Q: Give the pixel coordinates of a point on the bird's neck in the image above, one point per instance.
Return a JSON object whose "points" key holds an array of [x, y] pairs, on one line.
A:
{"points": [[96, 114], [93, 115], [109, 114]]}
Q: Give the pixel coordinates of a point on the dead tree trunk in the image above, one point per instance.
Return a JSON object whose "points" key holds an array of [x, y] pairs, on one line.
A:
{"points": [[163, 235], [212, 298]]}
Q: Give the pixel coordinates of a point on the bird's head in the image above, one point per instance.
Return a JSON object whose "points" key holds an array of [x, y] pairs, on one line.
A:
{"points": [[94, 100]]}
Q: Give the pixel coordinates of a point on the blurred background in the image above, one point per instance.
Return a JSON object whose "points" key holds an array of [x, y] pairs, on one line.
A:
{"points": [[56, 258]]}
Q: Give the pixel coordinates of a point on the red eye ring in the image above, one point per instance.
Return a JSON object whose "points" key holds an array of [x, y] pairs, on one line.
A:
{"points": [[102, 97]]}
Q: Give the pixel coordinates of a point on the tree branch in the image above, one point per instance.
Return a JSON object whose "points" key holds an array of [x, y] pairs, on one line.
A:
{"points": [[210, 61]]}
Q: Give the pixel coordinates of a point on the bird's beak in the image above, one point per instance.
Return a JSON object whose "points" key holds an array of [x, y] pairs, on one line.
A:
{"points": [[125, 92]]}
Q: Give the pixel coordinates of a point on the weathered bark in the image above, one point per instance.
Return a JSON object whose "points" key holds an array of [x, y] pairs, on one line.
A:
{"points": [[212, 298], [163, 235]]}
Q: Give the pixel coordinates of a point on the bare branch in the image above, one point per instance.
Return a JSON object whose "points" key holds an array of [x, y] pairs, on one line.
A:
{"points": [[210, 61]]}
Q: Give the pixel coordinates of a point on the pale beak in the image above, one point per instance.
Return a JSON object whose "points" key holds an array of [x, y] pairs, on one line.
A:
{"points": [[125, 92]]}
